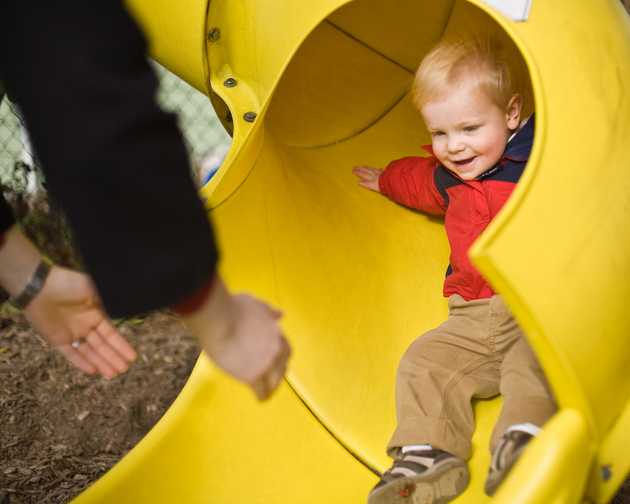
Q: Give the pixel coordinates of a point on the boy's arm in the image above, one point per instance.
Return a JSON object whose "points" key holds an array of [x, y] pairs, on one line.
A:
{"points": [[410, 181]]}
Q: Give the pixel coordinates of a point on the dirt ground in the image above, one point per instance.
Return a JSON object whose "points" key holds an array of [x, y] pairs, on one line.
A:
{"points": [[61, 430]]}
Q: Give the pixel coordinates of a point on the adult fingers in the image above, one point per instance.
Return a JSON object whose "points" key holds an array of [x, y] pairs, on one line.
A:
{"points": [[96, 359], [116, 341], [275, 313], [102, 347], [261, 389], [76, 359], [265, 385], [276, 374]]}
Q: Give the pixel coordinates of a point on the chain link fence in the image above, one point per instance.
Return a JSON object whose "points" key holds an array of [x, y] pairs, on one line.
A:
{"points": [[12, 146], [205, 137]]}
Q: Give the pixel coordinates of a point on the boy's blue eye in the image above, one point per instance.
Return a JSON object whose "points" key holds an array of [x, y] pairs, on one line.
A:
{"points": [[437, 133], [471, 128]]}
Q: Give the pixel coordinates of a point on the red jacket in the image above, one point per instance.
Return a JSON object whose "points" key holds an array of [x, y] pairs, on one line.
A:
{"points": [[468, 206]]}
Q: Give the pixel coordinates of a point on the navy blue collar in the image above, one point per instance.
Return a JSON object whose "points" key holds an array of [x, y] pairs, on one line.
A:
{"points": [[517, 149]]}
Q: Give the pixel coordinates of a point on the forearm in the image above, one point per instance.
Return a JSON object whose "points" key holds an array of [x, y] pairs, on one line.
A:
{"points": [[6, 216], [210, 314], [18, 260]]}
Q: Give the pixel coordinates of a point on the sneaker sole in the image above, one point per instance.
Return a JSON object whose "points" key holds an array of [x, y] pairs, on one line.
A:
{"points": [[494, 480], [437, 485]]}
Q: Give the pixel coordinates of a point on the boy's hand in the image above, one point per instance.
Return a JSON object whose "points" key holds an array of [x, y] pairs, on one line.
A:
{"points": [[242, 335], [368, 177]]}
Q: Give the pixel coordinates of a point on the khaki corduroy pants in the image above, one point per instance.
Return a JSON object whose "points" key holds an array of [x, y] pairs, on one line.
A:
{"points": [[479, 352]]}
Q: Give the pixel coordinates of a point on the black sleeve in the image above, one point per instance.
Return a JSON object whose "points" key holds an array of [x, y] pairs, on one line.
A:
{"points": [[6, 215], [112, 158]]}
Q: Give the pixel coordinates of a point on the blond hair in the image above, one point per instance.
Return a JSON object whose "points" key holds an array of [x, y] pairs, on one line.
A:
{"points": [[453, 61]]}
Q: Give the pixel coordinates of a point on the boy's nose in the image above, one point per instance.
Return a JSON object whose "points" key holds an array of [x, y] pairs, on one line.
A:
{"points": [[455, 145]]}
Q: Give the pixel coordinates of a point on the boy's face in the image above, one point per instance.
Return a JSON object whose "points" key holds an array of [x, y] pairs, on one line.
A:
{"points": [[468, 130]]}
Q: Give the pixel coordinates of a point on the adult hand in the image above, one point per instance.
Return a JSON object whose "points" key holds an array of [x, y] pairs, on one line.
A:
{"points": [[68, 314], [368, 177], [66, 310], [241, 334]]}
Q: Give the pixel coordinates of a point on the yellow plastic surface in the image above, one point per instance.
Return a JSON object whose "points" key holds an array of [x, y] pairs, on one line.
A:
{"points": [[196, 455], [359, 277]]}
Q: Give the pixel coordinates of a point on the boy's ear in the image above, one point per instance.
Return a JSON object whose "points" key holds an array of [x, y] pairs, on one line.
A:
{"points": [[513, 112]]}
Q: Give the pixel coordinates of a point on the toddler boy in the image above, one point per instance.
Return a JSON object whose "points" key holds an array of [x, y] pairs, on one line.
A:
{"points": [[479, 149]]}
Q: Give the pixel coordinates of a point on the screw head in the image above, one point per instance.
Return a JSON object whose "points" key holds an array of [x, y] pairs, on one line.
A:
{"points": [[606, 472], [230, 82], [249, 116], [214, 34]]}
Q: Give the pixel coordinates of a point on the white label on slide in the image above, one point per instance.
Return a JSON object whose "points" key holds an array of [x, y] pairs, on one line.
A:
{"points": [[517, 10]]}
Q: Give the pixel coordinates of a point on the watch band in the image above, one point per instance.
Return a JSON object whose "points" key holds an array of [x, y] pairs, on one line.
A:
{"points": [[33, 287]]}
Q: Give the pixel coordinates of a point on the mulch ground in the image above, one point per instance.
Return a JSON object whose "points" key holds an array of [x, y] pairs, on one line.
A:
{"points": [[61, 430], [623, 497]]}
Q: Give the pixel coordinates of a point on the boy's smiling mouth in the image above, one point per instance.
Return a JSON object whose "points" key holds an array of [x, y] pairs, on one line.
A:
{"points": [[464, 162]]}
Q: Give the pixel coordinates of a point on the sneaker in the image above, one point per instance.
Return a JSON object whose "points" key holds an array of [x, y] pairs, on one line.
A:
{"points": [[421, 477], [504, 457]]}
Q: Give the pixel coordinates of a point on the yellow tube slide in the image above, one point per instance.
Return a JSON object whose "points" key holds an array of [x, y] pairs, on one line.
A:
{"points": [[323, 86]]}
